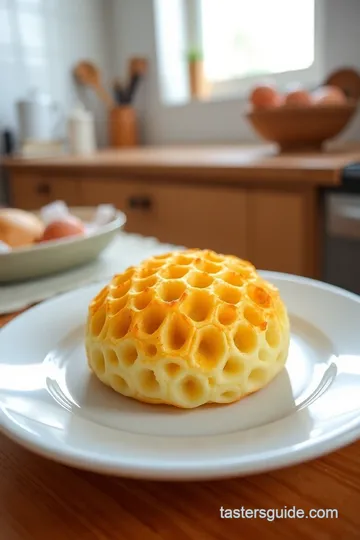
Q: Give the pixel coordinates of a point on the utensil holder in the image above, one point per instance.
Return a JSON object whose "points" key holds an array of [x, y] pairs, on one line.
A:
{"points": [[123, 129]]}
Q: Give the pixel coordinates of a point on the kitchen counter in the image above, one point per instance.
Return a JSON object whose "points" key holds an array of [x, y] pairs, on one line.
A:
{"points": [[205, 163], [244, 200]]}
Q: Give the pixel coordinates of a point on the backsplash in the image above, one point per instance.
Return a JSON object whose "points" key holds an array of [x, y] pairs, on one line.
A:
{"points": [[40, 41]]}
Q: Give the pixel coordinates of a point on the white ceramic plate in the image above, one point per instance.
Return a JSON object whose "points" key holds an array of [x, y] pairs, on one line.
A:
{"points": [[51, 404], [59, 255]]}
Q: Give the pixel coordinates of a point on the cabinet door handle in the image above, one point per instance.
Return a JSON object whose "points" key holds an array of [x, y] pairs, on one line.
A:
{"points": [[139, 202], [43, 189], [133, 202], [146, 203]]}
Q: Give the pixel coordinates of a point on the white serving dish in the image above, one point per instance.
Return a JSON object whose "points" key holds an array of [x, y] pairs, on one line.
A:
{"points": [[51, 404], [59, 255]]}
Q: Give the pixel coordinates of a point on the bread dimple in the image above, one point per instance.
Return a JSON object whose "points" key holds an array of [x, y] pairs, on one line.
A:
{"points": [[188, 328]]}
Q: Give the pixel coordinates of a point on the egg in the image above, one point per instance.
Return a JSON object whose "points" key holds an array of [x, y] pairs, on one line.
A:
{"points": [[69, 226], [329, 95], [299, 98], [265, 96]]}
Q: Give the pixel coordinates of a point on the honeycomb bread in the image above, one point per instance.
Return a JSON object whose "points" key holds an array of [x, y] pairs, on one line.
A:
{"points": [[187, 328]]}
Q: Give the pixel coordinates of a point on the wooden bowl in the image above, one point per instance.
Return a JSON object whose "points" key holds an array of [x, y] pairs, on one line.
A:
{"points": [[299, 128]]}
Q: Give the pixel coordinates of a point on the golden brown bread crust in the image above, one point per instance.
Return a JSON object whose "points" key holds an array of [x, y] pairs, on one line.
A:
{"points": [[19, 228], [188, 328]]}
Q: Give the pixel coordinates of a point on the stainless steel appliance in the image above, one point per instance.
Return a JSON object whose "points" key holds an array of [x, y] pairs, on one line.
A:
{"points": [[342, 232], [38, 117]]}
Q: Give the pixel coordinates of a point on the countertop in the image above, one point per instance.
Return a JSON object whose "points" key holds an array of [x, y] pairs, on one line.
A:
{"points": [[208, 163], [41, 500]]}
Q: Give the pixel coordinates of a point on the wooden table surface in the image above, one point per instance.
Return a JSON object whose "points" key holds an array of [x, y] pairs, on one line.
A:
{"points": [[41, 500]]}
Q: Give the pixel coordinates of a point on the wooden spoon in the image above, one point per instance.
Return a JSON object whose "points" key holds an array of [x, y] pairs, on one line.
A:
{"points": [[88, 74]]}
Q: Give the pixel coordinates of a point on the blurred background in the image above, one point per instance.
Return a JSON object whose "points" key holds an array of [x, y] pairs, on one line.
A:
{"points": [[289, 41], [117, 82]]}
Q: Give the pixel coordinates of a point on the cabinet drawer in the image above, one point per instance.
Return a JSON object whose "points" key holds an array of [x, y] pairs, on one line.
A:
{"points": [[277, 224], [203, 217], [30, 192]]}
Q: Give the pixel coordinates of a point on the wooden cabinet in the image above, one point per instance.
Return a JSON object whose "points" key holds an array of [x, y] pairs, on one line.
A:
{"points": [[274, 227], [204, 216], [31, 192], [277, 231]]}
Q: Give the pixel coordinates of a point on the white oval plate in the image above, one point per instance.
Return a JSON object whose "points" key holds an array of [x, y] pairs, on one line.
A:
{"points": [[51, 404]]}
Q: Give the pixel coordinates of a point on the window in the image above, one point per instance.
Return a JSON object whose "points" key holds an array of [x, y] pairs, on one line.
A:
{"points": [[257, 37], [242, 41], [247, 39]]}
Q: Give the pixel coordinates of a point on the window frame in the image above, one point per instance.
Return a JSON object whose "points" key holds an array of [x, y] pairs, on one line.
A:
{"points": [[309, 77]]}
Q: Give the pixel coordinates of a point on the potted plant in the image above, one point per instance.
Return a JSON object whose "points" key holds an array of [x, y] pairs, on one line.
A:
{"points": [[196, 73]]}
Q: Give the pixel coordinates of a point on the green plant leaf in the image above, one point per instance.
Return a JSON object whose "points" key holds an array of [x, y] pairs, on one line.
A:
{"points": [[194, 55]]}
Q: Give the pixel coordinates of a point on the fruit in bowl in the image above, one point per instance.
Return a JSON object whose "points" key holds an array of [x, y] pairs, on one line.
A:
{"points": [[65, 238], [55, 221], [300, 119], [264, 96], [329, 95], [19, 228], [268, 97], [63, 228], [300, 98]]}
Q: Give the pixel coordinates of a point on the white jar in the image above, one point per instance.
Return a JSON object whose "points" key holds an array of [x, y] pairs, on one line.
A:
{"points": [[81, 131]]}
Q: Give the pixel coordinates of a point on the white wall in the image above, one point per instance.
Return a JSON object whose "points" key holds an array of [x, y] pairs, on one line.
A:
{"points": [[221, 121], [40, 41], [343, 44], [132, 31]]}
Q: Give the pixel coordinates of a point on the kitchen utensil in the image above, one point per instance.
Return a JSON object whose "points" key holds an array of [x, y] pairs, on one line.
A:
{"points": [[137, 68], [124, 95], [88, 74], [119, 92], [123, 127], [37, 115], [131, 91]]}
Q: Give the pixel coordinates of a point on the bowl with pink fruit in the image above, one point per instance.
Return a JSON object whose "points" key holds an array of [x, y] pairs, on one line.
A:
{"points": [[302, 119], [54, 239]]}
